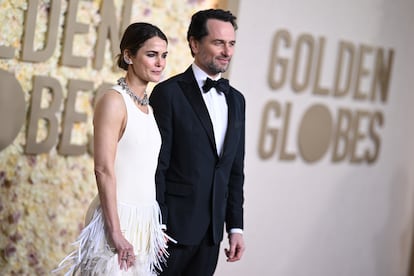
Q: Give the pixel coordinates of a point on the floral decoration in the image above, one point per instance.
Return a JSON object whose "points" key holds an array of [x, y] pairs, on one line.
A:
{"points": [[43, 197]]}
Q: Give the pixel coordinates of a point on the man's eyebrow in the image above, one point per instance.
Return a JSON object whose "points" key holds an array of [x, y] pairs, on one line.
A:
{"points": [[223, 40]]}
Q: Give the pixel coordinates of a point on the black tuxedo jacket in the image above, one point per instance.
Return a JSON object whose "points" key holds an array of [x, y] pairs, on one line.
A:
{"points": [[196, 188]]}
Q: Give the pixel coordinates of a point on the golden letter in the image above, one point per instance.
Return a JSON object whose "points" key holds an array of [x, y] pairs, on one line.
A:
{"points": [[107, 28], [267, 132], [277, 62], [6, 52], [382, 74], [305, 41], [342, 134], [28, 52], [378, 118], [361, 72], [49, 114], [317, 88], [72, 28], [346, 49], [71, 117], [284, 155], [357, 136]]}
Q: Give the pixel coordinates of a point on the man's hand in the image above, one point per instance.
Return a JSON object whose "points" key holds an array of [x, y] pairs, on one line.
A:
{"points": [[237, 247]]}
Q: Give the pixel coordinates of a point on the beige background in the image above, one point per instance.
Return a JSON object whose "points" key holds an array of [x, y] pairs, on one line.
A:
{"points": [[332, 216], [54, 58], [316, 203]]}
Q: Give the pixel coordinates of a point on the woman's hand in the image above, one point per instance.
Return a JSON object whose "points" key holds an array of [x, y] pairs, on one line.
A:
{"points": [[125, 251]]}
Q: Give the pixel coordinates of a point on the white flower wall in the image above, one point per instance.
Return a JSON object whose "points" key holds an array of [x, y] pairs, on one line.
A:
{"points": [[43, 197]]}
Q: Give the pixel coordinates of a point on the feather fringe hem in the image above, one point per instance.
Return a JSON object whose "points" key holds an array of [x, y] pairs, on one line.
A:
{"points": [[95, 256]]}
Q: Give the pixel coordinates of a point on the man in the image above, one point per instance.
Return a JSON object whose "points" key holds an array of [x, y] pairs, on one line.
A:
{"points": [[200, 174]]}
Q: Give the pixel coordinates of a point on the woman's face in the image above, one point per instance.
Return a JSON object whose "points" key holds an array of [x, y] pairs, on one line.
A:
{"points": [[150, 60]]}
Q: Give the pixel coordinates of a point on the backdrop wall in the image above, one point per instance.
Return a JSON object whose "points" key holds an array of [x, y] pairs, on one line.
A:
{"points": [[329, 179], [329, 168], [55, 57]]}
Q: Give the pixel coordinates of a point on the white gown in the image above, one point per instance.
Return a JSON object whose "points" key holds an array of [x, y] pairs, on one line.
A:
{"points": [[139, 213]]}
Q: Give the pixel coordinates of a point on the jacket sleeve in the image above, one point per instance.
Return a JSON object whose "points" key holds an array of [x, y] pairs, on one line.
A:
{"points": [[162, 106], [235, 200]]}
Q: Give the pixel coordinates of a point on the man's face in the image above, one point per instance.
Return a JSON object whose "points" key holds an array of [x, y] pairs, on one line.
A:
{"points": [[213, 53]]}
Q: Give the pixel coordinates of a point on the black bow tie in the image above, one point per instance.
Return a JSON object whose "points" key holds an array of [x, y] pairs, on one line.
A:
{"points": [[221, 85]]}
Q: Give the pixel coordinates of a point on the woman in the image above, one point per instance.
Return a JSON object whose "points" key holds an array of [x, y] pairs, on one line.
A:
{"points": [[123, 235]]}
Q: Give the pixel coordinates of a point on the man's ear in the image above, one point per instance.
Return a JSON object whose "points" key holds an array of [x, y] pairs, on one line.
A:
{"points": [[194, 44]]}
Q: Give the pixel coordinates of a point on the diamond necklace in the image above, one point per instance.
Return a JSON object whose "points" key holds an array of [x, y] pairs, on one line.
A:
{"points": [[124, 85]]}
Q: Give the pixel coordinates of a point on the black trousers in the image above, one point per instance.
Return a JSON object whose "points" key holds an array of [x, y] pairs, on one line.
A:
{"points": [[192, 260]]}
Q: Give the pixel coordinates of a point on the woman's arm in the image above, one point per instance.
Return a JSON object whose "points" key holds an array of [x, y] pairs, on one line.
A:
{"points": [[109, 123]]}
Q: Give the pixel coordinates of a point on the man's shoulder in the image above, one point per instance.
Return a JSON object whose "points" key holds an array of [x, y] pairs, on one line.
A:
{"points": [[237, 93], [173, 80], [170, 87]]}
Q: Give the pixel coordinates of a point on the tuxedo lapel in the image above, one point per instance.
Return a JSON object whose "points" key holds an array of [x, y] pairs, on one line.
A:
{"points": [[191, 91]]}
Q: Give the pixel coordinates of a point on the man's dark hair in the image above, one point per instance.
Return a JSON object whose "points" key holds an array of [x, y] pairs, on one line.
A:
{"points": [[198, 25]]}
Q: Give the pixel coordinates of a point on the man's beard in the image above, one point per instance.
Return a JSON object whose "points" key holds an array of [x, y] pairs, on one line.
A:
{"points": [[214, 69]]}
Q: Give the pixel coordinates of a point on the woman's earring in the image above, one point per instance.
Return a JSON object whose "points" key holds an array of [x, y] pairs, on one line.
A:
{"points": [[127, 60]]}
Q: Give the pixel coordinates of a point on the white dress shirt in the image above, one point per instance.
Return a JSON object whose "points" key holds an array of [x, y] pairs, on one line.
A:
{"points": [[218, 111], [217, 108]]}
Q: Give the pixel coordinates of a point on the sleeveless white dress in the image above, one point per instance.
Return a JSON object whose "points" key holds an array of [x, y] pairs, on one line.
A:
{"points": [[139, 213]]}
